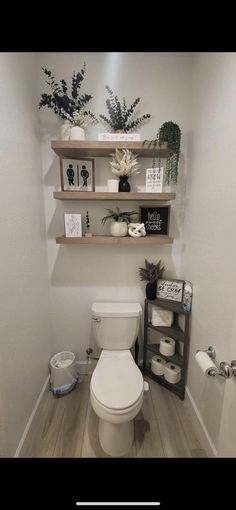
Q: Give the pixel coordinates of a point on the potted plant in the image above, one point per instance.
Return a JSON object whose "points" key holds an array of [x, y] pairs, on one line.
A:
{"points": [[119, 225], [151, 273], [71, 107], [124, 164], [169, 132], [121, 118]]}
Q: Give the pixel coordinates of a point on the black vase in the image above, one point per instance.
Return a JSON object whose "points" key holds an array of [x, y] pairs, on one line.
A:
{"points": [[124, 184], [151, 290]]}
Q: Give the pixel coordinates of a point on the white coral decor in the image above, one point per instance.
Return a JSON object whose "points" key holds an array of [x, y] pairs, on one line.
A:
{"points": [[124, 163]]}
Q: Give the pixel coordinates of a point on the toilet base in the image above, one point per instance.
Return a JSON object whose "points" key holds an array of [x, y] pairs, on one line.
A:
{"points": [[116, 439]]}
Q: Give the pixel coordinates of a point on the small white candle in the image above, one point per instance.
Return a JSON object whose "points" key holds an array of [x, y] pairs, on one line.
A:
{"points": [[112, 185]]}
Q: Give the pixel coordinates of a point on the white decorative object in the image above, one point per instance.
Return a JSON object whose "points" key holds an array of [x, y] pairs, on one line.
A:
{"points": [[65, 130], [154, 180], [187, 296], [73, 226], [170, 289], [77, 133], [172, 373], [136, 229], [119, 228], [158, 365], [119, 137], [167, 346], [161, 317], [113, 185]]}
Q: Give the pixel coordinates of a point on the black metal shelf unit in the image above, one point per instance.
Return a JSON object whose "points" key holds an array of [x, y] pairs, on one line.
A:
{"points": [[175, 332]]}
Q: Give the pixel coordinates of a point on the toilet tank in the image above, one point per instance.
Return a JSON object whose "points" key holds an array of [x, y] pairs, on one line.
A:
{"points": [[116, 325]]}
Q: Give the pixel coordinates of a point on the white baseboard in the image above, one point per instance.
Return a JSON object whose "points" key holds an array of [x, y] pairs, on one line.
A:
{"points": [[17, 452], [200, 427]]}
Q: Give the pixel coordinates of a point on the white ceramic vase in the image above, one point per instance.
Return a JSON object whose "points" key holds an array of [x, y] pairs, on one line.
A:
{"points": [[77, 133], [119, 228], [65, 130]]}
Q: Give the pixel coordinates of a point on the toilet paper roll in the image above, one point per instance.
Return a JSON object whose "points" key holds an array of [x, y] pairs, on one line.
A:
{"points": [[205, 362], [167, 346], [158, 365], [172, 373]]}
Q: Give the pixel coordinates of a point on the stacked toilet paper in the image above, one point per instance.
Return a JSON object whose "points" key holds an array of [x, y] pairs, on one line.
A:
{"points": [[158, 365], [167, 346], [172, 373]]}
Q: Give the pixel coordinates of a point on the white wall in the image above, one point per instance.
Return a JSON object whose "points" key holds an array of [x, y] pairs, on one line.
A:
{"points": [[209, 250], [24, 299], [80, 275]]}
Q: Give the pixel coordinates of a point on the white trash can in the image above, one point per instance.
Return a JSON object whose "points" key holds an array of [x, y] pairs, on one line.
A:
{"points": [[63, 372]]}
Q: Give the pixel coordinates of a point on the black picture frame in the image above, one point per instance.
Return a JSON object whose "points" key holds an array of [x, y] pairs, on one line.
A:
{"points": [[156, 219]]}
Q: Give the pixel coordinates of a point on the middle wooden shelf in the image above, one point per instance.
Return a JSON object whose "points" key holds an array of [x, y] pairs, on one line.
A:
{"points": [[105, 195], [126, 240]]}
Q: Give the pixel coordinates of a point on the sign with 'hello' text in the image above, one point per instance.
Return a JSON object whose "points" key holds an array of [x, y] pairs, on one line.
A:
{"points": [[155, 219]]}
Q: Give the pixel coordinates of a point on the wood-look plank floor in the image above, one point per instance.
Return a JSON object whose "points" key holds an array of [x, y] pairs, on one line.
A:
{"points": [[68, 427]]}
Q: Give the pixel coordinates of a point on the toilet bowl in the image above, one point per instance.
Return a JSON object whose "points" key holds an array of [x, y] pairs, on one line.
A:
{"points": [[116, 395]]}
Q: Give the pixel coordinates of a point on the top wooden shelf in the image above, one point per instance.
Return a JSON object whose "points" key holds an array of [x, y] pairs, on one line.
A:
{"points": [[93, 148]]}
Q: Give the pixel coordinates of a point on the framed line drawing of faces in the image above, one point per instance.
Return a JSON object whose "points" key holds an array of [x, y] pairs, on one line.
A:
{"points": [[86, 174]]}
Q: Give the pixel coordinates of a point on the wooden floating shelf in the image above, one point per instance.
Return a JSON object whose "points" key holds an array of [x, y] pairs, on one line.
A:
{"points": [[104, 195], [158, 239], [93, 148]]}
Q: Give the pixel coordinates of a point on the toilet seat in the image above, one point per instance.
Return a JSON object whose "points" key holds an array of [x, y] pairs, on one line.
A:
{"points": [[117, 382]]}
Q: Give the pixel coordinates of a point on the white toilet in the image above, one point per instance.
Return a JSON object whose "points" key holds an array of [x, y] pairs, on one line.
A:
{"points": [[117, 386]]}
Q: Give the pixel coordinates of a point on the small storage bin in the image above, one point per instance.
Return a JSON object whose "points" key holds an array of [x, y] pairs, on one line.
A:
{"points": [[63, 372]]}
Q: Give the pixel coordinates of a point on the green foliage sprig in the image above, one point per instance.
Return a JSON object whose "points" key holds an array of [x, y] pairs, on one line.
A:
{"points": [[169, 132], [120, 116], [64, 103], [118, 215], [151, 272]]}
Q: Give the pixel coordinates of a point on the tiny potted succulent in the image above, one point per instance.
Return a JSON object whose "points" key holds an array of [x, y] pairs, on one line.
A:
{"points": [[119, 225], [124, 164], [68, 106], [151, 273]]}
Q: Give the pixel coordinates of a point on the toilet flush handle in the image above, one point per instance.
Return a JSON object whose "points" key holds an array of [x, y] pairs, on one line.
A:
{"points": [[96, 319]]}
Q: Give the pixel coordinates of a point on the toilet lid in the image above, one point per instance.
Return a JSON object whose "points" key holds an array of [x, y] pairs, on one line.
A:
{"points": [[117, 383]]}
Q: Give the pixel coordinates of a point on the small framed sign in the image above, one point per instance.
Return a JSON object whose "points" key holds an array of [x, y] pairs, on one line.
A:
{"points": [[73, 226], [170, 289], [154, 180], [77, 174], [155, 219]]}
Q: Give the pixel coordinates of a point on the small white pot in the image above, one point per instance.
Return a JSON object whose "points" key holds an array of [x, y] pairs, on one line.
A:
{"points": [[65, 130], [77, 133], [119, 228]]}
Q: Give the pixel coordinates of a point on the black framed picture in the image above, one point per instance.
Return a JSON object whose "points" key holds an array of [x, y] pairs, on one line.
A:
{"points": [[155, 219]]}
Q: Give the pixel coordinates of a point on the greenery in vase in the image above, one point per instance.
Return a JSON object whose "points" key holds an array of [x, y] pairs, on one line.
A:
{"points": [[121, 117], [68, 104], [169, 132], [151, 272], [124, 163], [118, 216]]}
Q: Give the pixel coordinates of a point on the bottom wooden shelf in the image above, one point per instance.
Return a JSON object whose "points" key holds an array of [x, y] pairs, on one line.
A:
{"points": [[177, 388], [157, 239]]}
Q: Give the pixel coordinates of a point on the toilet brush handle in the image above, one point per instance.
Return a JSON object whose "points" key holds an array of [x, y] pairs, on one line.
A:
{"points": [[145, 386]]}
